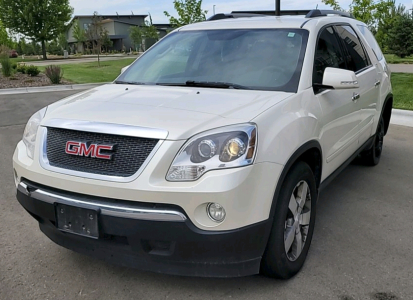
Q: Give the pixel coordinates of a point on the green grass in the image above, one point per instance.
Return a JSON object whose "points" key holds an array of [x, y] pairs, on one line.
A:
{"points": [[402, 90], [91, 73], [394, 59]]}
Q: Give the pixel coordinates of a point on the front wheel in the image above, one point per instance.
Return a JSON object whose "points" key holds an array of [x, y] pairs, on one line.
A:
{"points": [[293, 224]]}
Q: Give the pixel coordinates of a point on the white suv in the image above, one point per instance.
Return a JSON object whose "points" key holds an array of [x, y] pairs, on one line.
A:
{"points": [[207, 155]]}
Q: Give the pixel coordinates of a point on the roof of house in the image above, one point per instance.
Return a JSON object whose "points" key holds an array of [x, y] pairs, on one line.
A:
{"points": [[109, 16]]}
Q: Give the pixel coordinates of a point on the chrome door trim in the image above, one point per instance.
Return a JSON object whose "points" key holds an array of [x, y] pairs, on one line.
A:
{"points": [[106, 208]]}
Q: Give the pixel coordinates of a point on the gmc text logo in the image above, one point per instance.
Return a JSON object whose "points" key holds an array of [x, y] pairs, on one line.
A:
{"points": [[88, 149]]}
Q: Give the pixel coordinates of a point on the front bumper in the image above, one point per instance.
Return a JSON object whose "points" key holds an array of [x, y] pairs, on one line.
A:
{"points": [[158, 238]]}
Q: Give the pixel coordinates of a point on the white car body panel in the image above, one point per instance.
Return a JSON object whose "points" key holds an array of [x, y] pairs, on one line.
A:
{"points": [[285, 121]]}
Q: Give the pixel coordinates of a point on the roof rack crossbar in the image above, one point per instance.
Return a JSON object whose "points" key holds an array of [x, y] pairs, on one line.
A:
{"points": [[324, 13]]}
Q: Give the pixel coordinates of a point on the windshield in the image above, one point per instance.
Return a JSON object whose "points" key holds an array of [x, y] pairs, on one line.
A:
{"points": [[262, 59]]}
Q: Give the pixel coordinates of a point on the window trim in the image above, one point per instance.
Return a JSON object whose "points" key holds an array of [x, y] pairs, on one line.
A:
{"points": [[316, 47], [369, 62], [371, 47]]}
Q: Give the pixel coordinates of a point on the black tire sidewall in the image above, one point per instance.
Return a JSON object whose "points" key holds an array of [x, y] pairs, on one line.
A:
{"points": [[275, 262]]}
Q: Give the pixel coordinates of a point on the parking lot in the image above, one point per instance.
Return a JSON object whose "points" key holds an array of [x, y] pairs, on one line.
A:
{"points": [[362, 245]]}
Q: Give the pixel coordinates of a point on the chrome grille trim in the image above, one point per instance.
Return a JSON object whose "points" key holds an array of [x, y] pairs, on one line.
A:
{"points": [[97, 128]]}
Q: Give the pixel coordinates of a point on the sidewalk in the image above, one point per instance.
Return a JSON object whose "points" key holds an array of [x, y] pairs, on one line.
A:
{"points": [[51, 88], [402, 117], [401, 68]]}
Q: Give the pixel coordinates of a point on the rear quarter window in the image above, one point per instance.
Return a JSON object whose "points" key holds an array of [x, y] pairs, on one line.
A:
{"points": [[371, 41]]}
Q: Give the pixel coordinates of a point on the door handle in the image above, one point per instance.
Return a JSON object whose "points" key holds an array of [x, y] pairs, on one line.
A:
{"points": [[377, 83], [355, 97]]}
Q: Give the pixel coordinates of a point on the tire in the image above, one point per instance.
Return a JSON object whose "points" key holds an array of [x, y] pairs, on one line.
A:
{"points": [[372, 156], [282, 257]]}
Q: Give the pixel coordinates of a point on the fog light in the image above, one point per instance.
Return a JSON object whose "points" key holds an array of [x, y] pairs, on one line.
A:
{"points": [[216, 212]]}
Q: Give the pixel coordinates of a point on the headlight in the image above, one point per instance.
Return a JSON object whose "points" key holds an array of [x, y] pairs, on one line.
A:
{"points": [[223, 148], [30, 132]]}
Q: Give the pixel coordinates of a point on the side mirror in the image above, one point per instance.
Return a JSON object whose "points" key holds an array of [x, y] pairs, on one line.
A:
{"points": [[124, 69], [340, 79]]}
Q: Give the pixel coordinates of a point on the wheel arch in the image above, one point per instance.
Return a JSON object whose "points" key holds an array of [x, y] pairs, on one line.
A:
{"points": [[310, 153], [386, 111]]}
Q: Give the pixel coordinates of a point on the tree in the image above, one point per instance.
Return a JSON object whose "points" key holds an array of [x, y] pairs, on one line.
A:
{"points": [[139, 33], [401, 36], [333, 3], [136, 35], [388, 17], [4, 36], [79, 34], [189, 11], [96, 34], [39, 20], [106, 41], [62, 41]]}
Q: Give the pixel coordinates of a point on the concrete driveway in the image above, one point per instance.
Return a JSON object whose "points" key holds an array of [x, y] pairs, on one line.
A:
{"points": [[362, 245]]}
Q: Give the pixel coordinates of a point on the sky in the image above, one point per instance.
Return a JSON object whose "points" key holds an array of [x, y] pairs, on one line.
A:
{"points": [[157, 7]]}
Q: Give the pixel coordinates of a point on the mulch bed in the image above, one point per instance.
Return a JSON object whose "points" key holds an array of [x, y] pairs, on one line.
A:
{"points": [[19, 80]]}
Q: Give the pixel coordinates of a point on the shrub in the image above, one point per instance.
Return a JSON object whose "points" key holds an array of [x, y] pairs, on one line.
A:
{"points": [[21, 68], [54, 73], [6, 65], [14, 66], [33, 71]]}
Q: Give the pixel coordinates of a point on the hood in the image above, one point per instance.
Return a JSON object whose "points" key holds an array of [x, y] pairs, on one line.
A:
{"points": [[182, 111]]}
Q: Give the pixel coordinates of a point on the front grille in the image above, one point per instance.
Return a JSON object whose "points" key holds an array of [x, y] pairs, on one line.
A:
{"points": [[128, 155]]}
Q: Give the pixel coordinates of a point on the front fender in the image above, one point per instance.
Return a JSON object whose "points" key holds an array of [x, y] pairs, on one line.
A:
{"points": [[287, 126]]}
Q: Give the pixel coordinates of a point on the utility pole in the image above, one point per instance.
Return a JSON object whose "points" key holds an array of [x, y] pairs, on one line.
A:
{"points": [[277, 8]]}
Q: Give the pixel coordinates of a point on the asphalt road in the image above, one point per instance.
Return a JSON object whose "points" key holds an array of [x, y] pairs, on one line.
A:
{"points": [[362, 245]]}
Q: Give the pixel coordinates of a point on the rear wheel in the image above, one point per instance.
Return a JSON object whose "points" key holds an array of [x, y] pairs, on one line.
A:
{"points": [[372, 156], [293, 224]]}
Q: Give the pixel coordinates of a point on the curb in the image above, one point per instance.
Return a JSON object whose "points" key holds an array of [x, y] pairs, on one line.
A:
{"points": [[52, 88], [402, 117]]}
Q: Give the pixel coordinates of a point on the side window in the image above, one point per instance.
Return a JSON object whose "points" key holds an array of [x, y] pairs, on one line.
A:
{"points": [[327, 54], [371, 41], [356, 57]]}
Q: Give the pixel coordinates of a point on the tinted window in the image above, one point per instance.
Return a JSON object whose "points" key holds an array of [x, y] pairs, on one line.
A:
{"points": [[263, 59], [328, 54], [372, 41], [356, 57]]}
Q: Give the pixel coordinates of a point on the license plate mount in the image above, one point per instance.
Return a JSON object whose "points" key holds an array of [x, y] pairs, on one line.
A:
{"points": [[77, 220]]}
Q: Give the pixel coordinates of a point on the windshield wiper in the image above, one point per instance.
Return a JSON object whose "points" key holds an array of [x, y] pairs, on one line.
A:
{"points": [[206, 84], [129, 82]]}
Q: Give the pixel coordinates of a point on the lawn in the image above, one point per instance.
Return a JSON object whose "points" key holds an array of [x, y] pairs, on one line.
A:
{"points": [[394, 59], [91, 73], [402, 90]]}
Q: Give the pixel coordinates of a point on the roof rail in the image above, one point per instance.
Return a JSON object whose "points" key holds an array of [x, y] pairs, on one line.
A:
{"points": [[272, 12], [259, 13], [323, 13], [232, 16]]}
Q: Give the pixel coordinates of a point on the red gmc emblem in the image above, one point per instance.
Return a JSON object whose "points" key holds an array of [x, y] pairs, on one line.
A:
{"points": [[88, 149]]}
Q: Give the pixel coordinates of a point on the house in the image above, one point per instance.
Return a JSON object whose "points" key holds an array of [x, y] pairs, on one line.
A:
{"points": [[118, 28]]}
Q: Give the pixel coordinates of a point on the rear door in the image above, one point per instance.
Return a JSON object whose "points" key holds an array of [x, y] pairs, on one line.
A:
{"points": [[368, 76]]}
